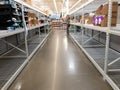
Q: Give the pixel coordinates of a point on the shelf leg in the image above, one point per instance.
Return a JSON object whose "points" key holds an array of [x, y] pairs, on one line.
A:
{"points": [[82, 26], [39, 34], [106, 53], [26, 43], [108, 38], [74, 29], [26, 31], [39, 27]]}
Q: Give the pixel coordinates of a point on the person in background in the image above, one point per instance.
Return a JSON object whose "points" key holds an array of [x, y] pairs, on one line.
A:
{"points": [[68, 23]]}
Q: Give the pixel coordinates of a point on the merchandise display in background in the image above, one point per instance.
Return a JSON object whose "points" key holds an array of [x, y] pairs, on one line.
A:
{"points": [[74, 20], [2, 2], [10, 14], [98, 20], [101, 16], [118, 20], [6, 16], [103, 10], [32, 19], [28, 2], [55, 16]]}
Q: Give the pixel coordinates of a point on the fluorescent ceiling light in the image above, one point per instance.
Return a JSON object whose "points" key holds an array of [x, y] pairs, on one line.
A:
{"points": [[67, 3], [75, 4], [81, 6], [55, 5]]}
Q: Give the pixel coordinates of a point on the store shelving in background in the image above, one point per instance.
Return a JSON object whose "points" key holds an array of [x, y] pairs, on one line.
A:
{"points": [[20, 40], [99, 43]]}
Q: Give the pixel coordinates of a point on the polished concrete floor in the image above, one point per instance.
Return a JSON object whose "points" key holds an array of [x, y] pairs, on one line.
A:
{"points": [[59, 65]]}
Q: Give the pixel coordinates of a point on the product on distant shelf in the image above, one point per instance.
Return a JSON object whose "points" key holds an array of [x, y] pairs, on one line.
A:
{"points": [[98, 11], [5, 16], [37, 21], [28, 1], [98, 20], [103, 12], [90, 20], [10, 15], [73, 20], [32, 19]]}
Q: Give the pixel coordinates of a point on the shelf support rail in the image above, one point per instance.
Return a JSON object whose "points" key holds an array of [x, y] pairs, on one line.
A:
{"points": [[7, 52], [117, 59], [94, 46], [90, 46], [13, 57], [114, 61], [114, 70], [92, 38], [13, 46], [3, 55]]}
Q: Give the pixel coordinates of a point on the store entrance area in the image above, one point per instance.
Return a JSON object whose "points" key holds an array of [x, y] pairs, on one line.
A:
{"points": [[59, 65]]}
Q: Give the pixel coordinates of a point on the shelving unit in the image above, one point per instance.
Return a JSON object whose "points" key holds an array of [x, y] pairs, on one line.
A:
{"points": [[20, 45], [95, 42]]}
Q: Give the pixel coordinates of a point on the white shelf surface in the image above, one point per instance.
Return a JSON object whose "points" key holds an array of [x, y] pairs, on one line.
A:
{"points": [[90, 26], [114, 30], [6, 33]]}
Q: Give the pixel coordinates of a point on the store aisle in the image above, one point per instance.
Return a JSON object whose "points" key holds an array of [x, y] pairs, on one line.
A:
{"points": [[59, 65]]}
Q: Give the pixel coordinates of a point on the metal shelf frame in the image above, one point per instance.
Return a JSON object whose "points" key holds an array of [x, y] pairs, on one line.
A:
{"points": [[29, 6], [25, 30], [107, 30]]}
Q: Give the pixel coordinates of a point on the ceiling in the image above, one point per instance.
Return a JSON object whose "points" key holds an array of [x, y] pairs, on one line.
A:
{"points": [[61, 5]]}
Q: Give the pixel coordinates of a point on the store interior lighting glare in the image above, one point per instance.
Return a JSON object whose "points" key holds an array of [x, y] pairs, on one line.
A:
{"points": [[55, 5]]}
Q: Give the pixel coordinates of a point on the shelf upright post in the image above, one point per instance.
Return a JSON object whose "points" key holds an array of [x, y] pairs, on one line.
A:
{"points": [[74, 25], [39, 27], [108, 38], [48, 24], [26, 31], [82, 26], [44, 26]]}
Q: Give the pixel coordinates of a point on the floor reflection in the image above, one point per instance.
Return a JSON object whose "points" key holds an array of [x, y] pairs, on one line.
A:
{"points": [[65, 43]]}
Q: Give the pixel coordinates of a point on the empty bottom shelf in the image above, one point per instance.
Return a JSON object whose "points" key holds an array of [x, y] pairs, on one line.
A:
{"points": [[8, 66], [98, 54]]}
